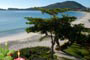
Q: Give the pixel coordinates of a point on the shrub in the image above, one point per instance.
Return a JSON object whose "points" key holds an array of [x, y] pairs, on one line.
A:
{"points": [[35, 53], [78, 51], [6, 54]]}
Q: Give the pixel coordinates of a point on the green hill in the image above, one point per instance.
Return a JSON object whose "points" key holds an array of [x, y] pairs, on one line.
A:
{"points": [[67, 4]]}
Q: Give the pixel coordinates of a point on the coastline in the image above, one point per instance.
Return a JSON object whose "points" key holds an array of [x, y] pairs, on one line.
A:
{"points": [[24, 40], [84, 20], [15, 37]]}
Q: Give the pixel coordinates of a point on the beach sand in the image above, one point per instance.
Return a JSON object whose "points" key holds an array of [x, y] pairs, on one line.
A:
{"points": [[84, 20], [24, 40], [15, 37]]}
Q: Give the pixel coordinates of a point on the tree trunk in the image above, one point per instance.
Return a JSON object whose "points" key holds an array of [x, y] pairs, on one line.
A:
{"points": [[52, 47], [52, 50], [46, 34], [57, 42]]}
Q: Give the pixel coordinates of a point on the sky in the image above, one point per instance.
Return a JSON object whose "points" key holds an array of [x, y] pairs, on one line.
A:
{"points": [[35, 3]]}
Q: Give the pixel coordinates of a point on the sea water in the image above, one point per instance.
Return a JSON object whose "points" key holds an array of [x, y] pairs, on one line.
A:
{"points": [[13, 22]]}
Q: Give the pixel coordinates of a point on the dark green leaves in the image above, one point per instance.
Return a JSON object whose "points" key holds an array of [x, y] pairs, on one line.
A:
{"points": [[53, 11]]}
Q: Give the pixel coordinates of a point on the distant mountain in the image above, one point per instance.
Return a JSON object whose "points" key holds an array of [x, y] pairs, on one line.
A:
{"points": [[21, 9], [67, 4], [13, 8], [2, 9]]}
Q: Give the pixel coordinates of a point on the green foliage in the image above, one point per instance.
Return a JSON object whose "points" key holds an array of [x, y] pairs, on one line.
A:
{"points": [[78, 51], [5, 54], [39, 24], [35, 52], [8, 58], [53, 11]]}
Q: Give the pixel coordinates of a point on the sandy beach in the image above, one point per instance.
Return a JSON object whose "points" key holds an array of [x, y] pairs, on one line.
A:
{"points": [[84, 20], [15, 37], [23, 40]]}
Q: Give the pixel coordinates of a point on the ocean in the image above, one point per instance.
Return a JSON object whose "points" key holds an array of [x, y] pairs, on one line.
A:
{"points": [[14, 22]]}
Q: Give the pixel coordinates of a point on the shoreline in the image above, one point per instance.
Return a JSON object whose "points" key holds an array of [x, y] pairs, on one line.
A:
{"points": [[18, 36], [84, 20]]}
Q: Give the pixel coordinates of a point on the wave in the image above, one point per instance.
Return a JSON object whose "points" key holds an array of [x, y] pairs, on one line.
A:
{"points": [[11, 32]]}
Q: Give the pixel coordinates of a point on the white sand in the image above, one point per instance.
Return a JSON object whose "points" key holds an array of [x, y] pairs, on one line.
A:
{"points": [[84, 20], [18, 36], [24, 40]]}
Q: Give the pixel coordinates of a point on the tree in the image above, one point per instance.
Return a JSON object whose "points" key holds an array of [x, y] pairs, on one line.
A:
{"points": [[59, 28], [77, 34], [51, 25]]}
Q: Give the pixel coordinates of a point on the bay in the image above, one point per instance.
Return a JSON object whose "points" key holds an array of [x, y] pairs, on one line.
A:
{"points": [[12, 22]]}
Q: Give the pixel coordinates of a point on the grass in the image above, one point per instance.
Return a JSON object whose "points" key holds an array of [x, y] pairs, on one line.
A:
{"points": [[78, 51]]}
